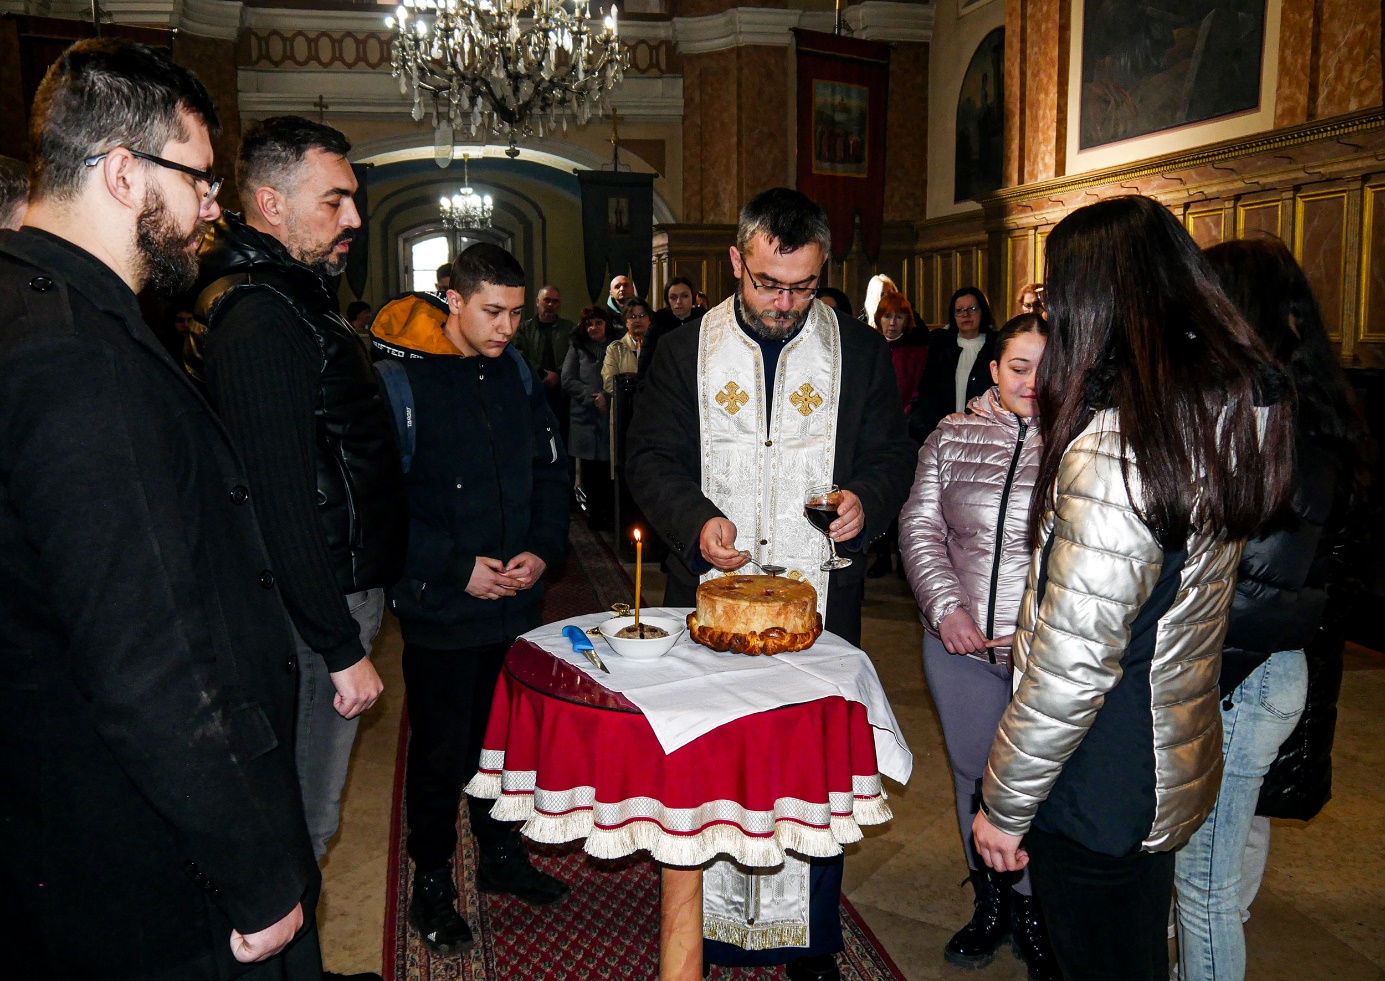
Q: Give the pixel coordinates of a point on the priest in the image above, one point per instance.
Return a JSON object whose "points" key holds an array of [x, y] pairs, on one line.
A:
{"points": [[772, 394]]}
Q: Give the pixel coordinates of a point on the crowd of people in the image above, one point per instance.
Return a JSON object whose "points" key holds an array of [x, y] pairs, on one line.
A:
{"points": [[1125, 515]]}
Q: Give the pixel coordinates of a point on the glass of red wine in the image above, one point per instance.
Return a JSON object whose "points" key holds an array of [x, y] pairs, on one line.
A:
{"points": [[820, 508]]}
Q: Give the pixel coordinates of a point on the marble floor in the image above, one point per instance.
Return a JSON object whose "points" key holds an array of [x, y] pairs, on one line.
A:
{"points": [[1319, 915]]}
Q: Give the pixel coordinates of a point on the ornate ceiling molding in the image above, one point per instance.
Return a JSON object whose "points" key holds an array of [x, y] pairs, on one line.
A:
{"points": [[874, 20]]}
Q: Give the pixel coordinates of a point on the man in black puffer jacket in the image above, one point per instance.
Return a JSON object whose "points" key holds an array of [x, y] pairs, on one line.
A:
{"points": [[488, 495], [293, 385]]}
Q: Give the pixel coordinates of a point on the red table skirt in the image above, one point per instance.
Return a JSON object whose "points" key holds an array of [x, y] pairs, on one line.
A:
{"points": [[573, 760]]}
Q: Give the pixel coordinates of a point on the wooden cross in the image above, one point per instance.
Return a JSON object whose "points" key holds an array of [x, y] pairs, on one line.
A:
{"points": [[322, 107]]}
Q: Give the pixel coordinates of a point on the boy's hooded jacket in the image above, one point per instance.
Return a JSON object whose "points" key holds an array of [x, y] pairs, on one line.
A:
{"points": [[488, 478]]}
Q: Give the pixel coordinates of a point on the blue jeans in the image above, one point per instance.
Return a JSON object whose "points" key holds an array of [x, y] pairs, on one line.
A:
{"points": [[1264, 710], [322, 739]]}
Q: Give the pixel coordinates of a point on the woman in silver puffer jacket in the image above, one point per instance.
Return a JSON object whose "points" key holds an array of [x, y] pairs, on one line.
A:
{"points": [[964, 541]]}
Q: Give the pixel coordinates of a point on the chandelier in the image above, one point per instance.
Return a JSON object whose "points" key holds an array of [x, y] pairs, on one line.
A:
{"points": [[466, 208], [508, 68]]}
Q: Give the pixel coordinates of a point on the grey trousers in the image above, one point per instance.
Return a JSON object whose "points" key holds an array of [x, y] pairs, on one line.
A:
{"points": [[322, 738], [971, 696]]}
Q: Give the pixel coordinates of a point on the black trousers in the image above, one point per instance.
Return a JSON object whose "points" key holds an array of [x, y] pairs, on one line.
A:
{"points": [[449, 698], [1107, 916]]}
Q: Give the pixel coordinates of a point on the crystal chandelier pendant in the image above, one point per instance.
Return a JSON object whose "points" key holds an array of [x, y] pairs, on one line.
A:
{"points": [[442, 144], [500, 66], [466, 208]]}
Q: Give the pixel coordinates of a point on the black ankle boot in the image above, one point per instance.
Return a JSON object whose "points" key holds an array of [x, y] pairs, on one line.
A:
{"points": [[975, 944], [1029, 938], [507, 869], [433, 912]]}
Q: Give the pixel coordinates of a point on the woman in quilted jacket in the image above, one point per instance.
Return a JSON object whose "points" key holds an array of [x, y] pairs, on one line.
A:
{"points": [[964, 539], [1167, 442]]}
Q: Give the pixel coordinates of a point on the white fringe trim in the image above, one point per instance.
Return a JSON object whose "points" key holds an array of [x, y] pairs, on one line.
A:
{"points": [[484, 785], [867, 811]]}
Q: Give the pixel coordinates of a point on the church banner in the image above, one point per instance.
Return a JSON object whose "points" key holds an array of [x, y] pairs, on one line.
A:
{"points": [[843, 88], [617, 228]]}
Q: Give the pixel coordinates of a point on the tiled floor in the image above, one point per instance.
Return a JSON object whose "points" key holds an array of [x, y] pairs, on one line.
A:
{"points": [[1319, 916]]}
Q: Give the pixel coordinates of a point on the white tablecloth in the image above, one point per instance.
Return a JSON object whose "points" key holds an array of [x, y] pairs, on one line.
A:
{"points": [[691, 690]]}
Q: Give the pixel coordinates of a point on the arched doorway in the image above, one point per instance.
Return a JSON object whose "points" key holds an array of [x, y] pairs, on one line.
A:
{"points": [[426, 247]]}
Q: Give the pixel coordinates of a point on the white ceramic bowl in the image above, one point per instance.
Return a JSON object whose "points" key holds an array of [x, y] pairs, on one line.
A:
{"points": [[637, 649]]}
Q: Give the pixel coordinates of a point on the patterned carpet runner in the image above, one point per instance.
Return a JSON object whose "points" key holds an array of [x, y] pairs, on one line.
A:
{"points": [[608, 928]]}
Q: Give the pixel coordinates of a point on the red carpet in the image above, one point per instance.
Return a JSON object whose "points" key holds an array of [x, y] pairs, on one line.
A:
{"points": [[609, 927]]}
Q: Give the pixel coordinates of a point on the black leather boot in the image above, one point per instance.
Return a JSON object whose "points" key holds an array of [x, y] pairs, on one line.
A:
{"points": [[1029, 938], [433, 912], [507, 869], [819, 967], [974, 945]]}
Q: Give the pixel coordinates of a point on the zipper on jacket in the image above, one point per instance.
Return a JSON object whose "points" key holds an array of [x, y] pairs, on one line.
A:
{"points": [[1000, 538], [490, 441]]}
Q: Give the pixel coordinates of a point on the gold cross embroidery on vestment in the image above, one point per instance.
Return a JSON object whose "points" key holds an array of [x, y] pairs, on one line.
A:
{"points": [[805, 400], [731, 398]]}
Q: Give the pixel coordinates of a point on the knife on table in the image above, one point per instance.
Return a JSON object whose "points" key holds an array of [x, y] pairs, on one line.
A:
{"points": [[581, 645]]}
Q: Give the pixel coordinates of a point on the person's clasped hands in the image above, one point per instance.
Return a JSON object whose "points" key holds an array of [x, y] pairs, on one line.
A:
{"points": [[492, 579]]}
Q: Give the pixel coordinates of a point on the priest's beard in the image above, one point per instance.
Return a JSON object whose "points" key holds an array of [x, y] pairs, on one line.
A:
{"points": [[167, 255], [768, 322]]}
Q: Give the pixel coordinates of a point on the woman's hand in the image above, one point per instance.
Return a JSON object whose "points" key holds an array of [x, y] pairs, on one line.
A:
{"points": [[1000, 851], [959, 634], [599, 400]]}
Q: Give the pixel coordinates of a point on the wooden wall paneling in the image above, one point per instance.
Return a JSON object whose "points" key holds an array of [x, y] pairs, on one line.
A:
{"points": [[928, 289], [1373, 263], [1206, 223], [1019, 267], [947, 282], [1259, 217], [1351, 269], [981, 267], [1040, 244], [1320, 245]]}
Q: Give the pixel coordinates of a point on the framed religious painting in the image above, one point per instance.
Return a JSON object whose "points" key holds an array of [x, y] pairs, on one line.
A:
{"points": [[981, 120], [841, 137], [1160, 76]]}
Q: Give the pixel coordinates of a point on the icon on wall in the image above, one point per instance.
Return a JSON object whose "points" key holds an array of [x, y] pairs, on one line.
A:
{"points": [[981, 120]]}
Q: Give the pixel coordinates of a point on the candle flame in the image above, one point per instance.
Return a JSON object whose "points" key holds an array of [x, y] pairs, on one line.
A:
{"points": [[637, 534]]}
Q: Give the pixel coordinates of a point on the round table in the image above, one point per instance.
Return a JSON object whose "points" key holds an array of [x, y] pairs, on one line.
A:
{"points": [[574, 760]]}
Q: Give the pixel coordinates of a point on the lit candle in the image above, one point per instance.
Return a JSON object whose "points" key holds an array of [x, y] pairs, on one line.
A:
{"points": [[639, 576]]}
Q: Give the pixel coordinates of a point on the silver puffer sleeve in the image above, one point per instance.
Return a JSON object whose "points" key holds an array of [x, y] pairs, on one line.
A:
{"points": [[923, 541], [1102, 567]]}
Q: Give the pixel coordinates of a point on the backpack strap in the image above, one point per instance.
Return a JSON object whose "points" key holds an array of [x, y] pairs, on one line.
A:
{"points": [[394, 379]]}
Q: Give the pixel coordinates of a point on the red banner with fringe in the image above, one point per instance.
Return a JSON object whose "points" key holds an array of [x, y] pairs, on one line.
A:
{"points": [[843, 89]]}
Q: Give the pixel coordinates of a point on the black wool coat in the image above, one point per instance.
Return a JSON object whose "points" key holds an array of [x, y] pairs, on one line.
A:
{"points": [[937, 391], [875, 459], [147, 671]]}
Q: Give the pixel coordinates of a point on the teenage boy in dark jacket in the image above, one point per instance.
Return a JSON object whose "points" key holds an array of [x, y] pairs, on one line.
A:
{"points": [[487, 490]]}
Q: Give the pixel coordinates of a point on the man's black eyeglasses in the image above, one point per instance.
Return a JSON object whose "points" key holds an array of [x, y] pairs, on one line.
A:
{"points": [[794, 292], [212, 181]]}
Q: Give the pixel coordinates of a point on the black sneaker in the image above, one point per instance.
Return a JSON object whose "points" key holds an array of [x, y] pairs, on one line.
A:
{"points": [[507, 870], [433, 912], [974, 945]]}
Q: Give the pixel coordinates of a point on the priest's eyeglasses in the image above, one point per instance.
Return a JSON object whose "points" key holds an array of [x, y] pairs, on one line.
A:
{"points": [[212, 181], [770, 291]]}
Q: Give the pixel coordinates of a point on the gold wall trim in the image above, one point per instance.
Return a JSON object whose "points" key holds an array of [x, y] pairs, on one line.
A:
{"points": [[1280, 139]]}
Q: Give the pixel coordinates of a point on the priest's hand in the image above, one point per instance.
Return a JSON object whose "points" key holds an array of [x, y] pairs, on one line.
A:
{"points": [[255, 947], [851, 518], [718, 545], [1000, 851]]}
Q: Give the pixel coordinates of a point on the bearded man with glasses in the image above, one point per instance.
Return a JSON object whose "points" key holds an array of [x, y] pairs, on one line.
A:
{"points": [[150, 817], [774, 392]]}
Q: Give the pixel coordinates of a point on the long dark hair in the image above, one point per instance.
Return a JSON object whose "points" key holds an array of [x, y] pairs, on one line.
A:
{"points": [[1138, 323], [987, 320], [1270, 289]]}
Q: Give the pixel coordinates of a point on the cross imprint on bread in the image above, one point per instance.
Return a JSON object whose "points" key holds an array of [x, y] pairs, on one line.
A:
{"points": [[805, 400], [731, 398]]}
